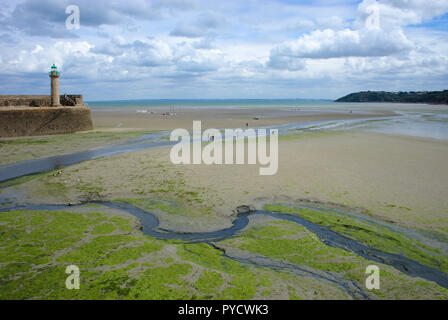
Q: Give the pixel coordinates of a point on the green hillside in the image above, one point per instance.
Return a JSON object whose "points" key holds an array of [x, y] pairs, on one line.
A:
{"points": [[432, 97]]}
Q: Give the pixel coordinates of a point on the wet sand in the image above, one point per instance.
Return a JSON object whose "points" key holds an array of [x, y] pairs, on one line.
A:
{"points": [[218, 118], [119, 126]]}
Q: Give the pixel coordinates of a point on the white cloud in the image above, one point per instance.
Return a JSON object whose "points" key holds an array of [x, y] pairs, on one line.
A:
{"points": [[376, 32], [204, 24], [323, 44], [188, 58], [150, 53], [398, 13], [37, 49], [285, 62], [188, 31], [423, 8]]}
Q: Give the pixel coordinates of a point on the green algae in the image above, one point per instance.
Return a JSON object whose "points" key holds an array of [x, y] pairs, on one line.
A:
{"points": [[123, 224], [38, 245], [242, 287], [118, 262], [292, 294], [306, 250], [163, 283], [205, 255], [106, 250], [209, 282], [375, 236], [273, 240], [243, 284], [104, 228]]}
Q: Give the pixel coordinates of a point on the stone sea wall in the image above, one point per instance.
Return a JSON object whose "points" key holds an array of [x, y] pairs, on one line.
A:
{"points": [[25, 100], [39, 100], [32, 121]]}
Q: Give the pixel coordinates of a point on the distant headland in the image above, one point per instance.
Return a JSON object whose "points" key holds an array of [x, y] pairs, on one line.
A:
{"points": [[431, 97]]}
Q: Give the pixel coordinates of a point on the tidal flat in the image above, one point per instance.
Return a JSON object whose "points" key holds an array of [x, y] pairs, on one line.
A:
{"points": [[24, 148], [397, 182]]}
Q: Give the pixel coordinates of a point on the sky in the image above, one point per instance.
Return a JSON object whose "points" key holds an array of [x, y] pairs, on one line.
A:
{"points": [[214, 49]]}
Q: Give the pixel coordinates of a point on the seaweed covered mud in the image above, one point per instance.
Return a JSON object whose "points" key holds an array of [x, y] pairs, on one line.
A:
{"points": [[139, 227]]}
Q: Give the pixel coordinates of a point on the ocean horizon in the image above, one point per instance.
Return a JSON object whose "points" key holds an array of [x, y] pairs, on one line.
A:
{"points": [[202, 103]]}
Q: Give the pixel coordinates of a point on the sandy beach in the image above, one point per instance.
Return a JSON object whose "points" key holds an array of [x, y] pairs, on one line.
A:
{"points": [[218, 118]]}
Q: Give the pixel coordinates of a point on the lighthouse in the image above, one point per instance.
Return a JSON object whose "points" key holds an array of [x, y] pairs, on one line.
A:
{"points": [[54, 75]]}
